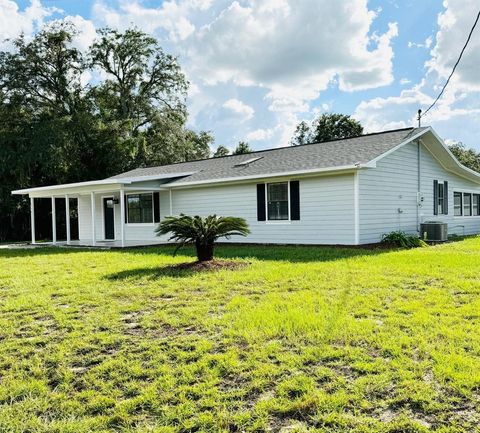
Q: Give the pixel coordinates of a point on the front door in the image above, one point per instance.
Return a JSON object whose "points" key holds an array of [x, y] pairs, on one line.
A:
{"points": [[109, 217]]}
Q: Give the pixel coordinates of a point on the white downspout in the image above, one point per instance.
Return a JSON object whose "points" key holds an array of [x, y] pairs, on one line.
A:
{"points": [[356, 206]]}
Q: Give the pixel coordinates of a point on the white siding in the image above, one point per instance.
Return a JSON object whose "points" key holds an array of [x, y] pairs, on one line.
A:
{"points": [[326, 210], [84, 218], [392, 186]]}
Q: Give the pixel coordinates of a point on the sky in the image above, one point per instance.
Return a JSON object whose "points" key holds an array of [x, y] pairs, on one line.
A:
{"points": [[258, 67]]}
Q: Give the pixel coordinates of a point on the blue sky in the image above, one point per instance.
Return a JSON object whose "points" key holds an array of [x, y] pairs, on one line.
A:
{"points": [[258, 67]]}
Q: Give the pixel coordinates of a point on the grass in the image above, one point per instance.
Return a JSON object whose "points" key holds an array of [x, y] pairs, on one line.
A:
{"points": [[301, 339]]}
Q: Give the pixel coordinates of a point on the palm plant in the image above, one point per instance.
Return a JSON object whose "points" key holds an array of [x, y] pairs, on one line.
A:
{"points": [[201, 231]]}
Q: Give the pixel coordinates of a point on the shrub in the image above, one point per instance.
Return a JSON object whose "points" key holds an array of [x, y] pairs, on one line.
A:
{"points": [[402, 240], [201, 231]]}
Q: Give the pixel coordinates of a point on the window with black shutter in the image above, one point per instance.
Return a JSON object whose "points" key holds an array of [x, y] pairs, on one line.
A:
{"points": [[294, 200], [261, 212]]}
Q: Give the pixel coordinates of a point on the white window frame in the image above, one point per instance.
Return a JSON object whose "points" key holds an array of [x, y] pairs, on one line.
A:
{"points": [[269, 221], [126, 210], [471, 204], [440, 199], [462, 193], [461, 204]]}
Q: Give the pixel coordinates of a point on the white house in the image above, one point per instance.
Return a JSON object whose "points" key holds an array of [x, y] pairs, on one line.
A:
{"points": [[349, 191]]}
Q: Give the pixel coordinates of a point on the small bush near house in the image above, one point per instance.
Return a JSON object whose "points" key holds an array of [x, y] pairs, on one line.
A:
{"points": [[402, 240]]}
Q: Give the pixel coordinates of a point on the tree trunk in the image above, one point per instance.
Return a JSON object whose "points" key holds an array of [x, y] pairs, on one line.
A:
{"points": [[204, 252]]}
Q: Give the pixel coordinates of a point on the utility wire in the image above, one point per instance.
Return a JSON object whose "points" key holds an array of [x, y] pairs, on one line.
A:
{"points": [[454, 67]]}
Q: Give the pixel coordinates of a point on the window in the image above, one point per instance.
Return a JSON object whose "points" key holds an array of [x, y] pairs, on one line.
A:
{"points": [[441, 199], [467, 204], [277, 201], [457, 204], [139, 208], [476, 204]]}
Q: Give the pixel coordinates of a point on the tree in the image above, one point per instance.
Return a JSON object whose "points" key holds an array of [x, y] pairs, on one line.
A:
{"points": [[329, 126], [468, 157], [242, 147], [221, 151], [301, 134], [201, 231], [55, 128]]}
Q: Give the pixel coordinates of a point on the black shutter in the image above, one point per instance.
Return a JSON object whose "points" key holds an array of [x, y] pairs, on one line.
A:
{"points": [[445, 198], [435, 197], [156, 207], [261, 215], [294, 200]]}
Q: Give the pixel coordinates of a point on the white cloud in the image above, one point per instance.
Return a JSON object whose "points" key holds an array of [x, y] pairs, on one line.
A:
{"points": [[260, 134], [405, 81], [13, 21], [172, 16], [454, 24], [268, 43], [427, 44], [239, 108], [459, 108]]}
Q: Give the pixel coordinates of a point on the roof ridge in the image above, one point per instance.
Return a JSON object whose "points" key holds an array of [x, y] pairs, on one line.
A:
{"points": [[269, 150]]}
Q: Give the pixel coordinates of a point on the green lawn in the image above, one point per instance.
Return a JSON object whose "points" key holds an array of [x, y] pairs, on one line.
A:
{"points": [[301, 339]]}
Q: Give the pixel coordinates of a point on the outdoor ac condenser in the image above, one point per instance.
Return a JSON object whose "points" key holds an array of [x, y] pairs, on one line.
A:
{"points": [[434, 231]]}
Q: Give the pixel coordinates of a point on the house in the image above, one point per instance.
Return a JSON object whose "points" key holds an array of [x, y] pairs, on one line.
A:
{"points": [[349, 191]]}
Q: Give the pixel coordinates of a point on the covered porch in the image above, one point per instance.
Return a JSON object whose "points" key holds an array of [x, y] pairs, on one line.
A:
{"points": [[102, 212]]}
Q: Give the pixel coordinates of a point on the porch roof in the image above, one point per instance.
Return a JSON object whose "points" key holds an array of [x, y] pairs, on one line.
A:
{"points": [[109, 184]]}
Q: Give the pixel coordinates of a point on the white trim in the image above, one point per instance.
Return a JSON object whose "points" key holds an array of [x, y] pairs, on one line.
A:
{"points": [[54, 222], [67, 185], [103, 218], [356, 207], [153, 211], [67, 218], [171, 202], [459, 164], [32, 218]]}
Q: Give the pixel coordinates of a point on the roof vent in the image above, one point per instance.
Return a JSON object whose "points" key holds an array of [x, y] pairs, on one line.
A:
{"points": [[247, 162]]}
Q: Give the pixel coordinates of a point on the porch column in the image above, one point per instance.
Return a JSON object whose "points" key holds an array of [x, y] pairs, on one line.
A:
{"points": [[54, 222], [171, 202], [92, 202], [32, 218], [67, 217], [122, 216]]}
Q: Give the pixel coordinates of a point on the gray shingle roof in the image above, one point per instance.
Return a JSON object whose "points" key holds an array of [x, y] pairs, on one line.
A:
{"points": [[338, 153]]}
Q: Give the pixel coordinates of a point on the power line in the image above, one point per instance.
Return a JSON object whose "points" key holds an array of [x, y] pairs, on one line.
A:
{"points": [[454, 67]]}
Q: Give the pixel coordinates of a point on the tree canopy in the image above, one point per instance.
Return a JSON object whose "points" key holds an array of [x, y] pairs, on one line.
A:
{"points": [[242, 147], [57, 126], [468, 157], [328, 126], [221, 151]]}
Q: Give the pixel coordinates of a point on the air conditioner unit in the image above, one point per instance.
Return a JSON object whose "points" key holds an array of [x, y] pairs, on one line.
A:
{"points": [[434, 231]]}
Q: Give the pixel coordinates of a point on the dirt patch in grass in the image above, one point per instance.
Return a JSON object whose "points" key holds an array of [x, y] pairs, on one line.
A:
{"points": [[211, 265]]}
